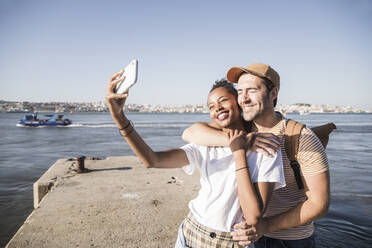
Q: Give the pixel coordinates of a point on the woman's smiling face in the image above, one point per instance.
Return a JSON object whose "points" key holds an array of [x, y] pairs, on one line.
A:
{"points": [[223, 108]]}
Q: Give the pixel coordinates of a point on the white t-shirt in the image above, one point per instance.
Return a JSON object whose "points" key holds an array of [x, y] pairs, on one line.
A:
{"points": [[217, 204]]}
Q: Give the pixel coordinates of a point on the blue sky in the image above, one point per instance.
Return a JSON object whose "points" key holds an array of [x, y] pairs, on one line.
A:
{"points": [[66, 50]]}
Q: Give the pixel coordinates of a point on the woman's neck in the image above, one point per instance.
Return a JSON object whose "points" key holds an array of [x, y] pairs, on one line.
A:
{"points": [[238, 124]]}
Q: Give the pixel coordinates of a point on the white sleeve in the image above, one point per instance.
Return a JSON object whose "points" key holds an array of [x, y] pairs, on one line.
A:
{"points": [[268, 170], [195, 157]]}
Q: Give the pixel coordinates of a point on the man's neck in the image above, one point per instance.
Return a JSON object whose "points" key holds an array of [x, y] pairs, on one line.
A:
{"points": [[267, 121]]}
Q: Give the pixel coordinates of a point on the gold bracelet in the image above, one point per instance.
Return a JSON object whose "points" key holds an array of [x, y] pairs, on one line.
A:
{"points": [[245, 167]]}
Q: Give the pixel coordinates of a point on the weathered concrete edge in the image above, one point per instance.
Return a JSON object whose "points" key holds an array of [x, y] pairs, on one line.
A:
{"points": [[43, 185], [66, 171], [19, 229], [49, 179], [62, 168]]}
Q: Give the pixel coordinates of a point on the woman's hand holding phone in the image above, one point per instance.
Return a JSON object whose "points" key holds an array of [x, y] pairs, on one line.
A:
{"points": [[129, 77], [116, 101]]}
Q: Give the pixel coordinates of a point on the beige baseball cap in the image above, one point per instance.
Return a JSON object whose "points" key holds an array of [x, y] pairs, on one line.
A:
{"points": [[257, 69]]}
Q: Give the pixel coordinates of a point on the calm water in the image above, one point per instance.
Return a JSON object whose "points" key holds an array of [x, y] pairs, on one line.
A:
{"points": [[26, 153]]}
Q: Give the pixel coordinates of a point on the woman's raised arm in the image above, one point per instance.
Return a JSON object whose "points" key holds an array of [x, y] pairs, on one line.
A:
{"points": [[174, 158]]}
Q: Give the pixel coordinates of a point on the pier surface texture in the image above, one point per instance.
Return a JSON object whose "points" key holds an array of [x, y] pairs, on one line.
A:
{"points": [[118, 203]]}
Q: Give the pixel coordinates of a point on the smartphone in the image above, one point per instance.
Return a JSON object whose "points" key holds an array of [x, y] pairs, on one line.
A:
{"points": [[130, 73]]}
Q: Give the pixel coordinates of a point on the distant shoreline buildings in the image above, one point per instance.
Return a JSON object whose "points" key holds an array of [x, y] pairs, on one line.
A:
{"points": [[65, 107]]}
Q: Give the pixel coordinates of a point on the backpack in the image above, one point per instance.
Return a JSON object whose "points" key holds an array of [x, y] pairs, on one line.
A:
{"points": [[292, 138]]}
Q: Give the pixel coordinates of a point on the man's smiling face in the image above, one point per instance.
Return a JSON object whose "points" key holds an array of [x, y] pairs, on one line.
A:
{"points": [[253, 97]]}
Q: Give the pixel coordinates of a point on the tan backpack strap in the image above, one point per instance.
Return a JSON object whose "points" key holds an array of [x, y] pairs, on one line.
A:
{"points": [[292, 138]]}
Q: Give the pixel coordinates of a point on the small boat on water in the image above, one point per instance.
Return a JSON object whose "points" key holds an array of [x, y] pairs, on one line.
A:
{"points": [[32, 120]]}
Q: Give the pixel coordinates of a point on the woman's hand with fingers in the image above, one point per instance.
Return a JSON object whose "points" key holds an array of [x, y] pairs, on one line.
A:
{"points": [[237, 139], [115, 101]]}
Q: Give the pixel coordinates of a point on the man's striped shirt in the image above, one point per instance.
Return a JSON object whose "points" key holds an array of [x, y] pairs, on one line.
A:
{"points": [[313, 161]]}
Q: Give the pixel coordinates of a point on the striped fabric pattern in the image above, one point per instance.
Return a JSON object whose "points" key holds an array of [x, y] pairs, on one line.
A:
{"points": [[311, 155], [200, 236], [313, 161]]}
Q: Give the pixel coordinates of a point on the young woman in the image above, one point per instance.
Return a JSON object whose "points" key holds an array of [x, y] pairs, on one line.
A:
{"points": [[234, 183]]}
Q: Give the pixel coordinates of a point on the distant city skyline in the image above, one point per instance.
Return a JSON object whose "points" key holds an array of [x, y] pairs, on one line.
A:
{"points": [[65, 51], [101, 106]]}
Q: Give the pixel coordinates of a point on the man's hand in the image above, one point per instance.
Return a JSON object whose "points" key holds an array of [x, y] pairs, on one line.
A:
{"points": [[265, 143], [247, 234]]}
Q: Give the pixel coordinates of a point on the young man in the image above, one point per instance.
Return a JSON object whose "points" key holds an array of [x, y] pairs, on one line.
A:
{"points": [[288, 220]]}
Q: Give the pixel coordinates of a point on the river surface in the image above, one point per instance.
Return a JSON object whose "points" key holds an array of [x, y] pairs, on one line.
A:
{"points": [[26, 153]]}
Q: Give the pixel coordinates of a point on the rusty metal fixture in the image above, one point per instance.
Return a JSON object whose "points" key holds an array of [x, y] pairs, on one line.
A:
{"points": [[80, 165]]}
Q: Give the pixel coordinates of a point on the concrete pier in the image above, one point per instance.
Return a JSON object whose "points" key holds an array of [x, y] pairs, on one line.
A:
{"points": [[118, 203]]}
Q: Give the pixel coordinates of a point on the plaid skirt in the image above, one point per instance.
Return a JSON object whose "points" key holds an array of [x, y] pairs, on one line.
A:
{"points": [[199, 236]]}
